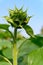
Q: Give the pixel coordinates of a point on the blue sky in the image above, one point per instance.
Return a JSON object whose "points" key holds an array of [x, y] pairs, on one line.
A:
{"points": [[35, 8]]}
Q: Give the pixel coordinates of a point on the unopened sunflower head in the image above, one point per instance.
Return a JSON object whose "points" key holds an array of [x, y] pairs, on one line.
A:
{"points": [[17, 17]]}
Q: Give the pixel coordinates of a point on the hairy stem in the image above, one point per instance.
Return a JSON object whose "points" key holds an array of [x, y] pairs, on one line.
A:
{"points": [[15, 48], [14, 54]]}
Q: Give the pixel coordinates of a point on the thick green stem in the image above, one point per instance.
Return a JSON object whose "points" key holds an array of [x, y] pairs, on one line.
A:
{"points": [[15, 48], [14, 55]]}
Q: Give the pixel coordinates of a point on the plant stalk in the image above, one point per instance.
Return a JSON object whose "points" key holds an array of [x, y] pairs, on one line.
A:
{"points": [[14, 55], [15, 48]]}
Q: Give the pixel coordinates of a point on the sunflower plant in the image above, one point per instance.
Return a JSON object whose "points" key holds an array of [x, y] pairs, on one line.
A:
{"points": [[18, 19]]}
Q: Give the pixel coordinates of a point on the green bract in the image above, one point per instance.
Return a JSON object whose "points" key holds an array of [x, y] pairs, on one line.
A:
{"points": [[17, 17]]}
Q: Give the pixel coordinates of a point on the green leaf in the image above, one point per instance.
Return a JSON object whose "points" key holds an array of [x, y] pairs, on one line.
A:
{"points": [[36, 57], [23, 60], [16, 9], [2, 58], [28, 30], [4, 26], [11, 12], [26, 47], [4, 44], [19, 42], [9, 20], [7, 53], [28, 19], [5, 35], [38, 40], [30, 44], [4, 63]]}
